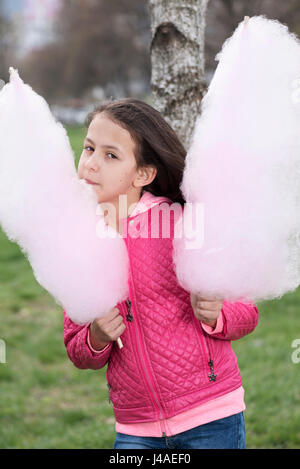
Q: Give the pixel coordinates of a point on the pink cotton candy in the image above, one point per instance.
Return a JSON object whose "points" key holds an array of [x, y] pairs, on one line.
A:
{"points": [[51, 214], [243, 165]]}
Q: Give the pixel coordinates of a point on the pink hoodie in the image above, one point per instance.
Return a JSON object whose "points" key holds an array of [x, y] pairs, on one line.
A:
{"points": [[171, 364]]}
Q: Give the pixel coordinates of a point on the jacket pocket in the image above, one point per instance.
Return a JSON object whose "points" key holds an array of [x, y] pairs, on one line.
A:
{"points": [[109, 388], [209, 360], [212, 375]]}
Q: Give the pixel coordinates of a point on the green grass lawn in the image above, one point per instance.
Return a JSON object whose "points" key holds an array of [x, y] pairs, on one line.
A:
{"points": [[48, 403]]}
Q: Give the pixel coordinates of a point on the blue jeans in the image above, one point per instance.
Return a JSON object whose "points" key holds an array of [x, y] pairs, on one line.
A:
{"points": [[226, 433]]}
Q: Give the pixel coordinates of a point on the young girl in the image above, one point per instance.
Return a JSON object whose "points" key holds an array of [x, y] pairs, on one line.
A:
{"points": [[175, 383]]}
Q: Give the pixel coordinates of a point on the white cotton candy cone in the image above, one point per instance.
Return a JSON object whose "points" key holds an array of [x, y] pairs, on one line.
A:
{"points": [[51, 214], [243, 166]]}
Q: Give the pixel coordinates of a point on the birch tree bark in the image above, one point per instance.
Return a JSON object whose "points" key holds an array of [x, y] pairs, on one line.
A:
{"points": [[177, 61]]}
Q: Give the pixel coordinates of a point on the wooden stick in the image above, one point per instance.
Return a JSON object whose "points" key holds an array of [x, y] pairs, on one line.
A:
{"points": [[246, 19], [120, 344]]}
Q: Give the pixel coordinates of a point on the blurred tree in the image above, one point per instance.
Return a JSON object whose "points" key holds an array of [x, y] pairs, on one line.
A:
{"points": [[102, 43], [97, 43], [177, 59], [6, 43], [223, 16], [43, 69], [177, 49]]}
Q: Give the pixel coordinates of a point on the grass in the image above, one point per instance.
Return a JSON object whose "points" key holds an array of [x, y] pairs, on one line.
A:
{"points": [[48, 403]]}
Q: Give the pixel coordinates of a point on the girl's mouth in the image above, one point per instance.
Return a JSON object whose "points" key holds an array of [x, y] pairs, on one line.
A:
{"points": [[90, 182]]}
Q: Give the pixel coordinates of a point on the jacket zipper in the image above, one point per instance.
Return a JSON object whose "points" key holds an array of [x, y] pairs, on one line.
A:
{"points": [[129, 316], [141, 357]]}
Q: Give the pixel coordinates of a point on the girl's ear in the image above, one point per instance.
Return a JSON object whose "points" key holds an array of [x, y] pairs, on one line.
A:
{"points": [[145, 176]]}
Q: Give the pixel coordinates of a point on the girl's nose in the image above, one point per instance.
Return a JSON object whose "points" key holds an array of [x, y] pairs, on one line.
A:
{"points": [[92, 162]]}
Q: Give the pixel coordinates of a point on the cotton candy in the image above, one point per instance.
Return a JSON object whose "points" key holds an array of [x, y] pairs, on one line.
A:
{"points": [[53, 216], [243, 168]]}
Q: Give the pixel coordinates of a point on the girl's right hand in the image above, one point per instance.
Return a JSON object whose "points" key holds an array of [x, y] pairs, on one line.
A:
{"points": [[106, 329]]}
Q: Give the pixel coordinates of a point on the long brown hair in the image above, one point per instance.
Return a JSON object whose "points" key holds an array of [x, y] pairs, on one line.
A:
{"points": [[156, 143]]}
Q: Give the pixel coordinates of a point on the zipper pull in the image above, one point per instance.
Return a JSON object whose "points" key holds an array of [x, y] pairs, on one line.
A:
{"points": [[212, 376], [129, 316]]}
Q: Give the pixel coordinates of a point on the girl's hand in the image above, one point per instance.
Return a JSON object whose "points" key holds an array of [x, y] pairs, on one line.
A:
{"points": [[206, 310], [106, 329]]}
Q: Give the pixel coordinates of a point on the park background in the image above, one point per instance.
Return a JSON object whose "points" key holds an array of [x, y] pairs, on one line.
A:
{"points": [[76, 53]]}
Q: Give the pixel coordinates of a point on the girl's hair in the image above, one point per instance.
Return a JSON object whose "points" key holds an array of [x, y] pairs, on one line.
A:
{"points": [[156, 143]]}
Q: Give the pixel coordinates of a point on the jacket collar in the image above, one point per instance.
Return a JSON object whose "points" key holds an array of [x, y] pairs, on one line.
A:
{"points": [[146, 202]]}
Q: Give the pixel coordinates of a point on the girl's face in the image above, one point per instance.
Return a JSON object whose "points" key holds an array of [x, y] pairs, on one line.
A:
{"points": [[108, 161]]}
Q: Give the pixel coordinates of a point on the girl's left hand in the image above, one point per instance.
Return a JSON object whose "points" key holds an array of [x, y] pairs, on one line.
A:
{"points": [[206, 310]]}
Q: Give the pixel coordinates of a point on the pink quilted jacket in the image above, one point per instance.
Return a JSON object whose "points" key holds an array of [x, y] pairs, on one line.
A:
{"points": [[168, 363]]}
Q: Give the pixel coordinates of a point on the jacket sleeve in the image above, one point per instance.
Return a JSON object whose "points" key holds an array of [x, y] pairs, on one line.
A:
{"points": [[239, 319], [78, 350]]}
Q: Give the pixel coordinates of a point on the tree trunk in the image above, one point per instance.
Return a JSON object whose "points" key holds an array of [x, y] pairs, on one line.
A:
{"points": [[177, 60]]}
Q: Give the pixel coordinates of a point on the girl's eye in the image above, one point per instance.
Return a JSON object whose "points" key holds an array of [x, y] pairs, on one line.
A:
{"points": [[114, 156], [89, 149]]}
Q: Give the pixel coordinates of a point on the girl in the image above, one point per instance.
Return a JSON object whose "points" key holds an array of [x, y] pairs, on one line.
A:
{"points": [[176, 382]]}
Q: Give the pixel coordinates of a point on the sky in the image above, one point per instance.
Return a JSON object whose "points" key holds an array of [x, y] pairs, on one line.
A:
{"points": [[12, 6], [32, 8], [34, 18]]}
